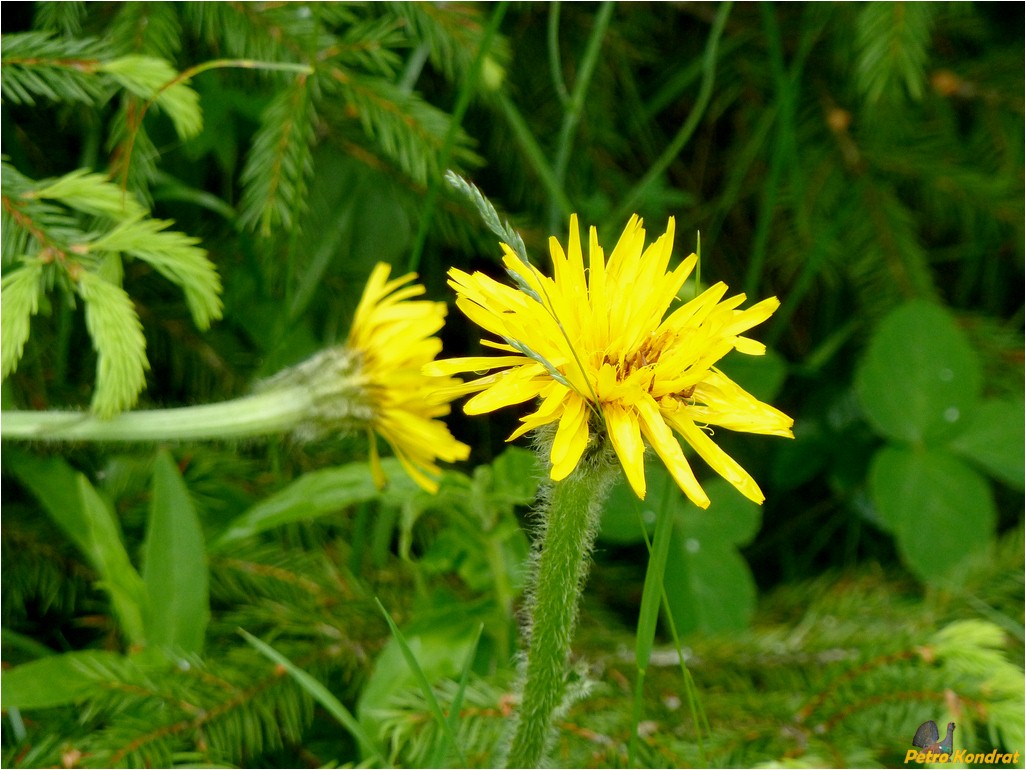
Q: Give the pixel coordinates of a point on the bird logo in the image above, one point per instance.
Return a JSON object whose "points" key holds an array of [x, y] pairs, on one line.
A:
{"points": [[928, 738]]}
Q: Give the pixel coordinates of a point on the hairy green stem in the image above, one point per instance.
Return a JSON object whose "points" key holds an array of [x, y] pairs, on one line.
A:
{"points": [[243, 417], [570, 523], [321, 395]]}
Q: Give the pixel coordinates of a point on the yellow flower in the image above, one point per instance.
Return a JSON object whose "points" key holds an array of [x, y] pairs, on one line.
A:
{"points": [[602, 354], [393, 339]]}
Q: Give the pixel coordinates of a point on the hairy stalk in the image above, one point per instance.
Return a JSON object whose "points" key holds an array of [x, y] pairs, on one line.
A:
{"points": [[318, 396], [570, 515]]}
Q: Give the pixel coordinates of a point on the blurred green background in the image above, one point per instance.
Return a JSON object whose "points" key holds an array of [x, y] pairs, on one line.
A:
{"points": [[862, 162]]}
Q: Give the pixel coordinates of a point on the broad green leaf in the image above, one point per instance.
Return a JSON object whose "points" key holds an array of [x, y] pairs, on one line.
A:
{"points": [[19, 297], [919, 377], [54, 483], [709, 585], [316, 494], [624, 514], [90, 523], [993, 440], [516, 476], [107, 554], [939, 509], [57, 680], [174, 564]]}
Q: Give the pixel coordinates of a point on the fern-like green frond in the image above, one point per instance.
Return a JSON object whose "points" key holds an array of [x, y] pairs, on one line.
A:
{"points": [[20, 299], [280, 162], [401, 126], [118, 339], [90, 193], [453, 34], [133, 156], [151, 28], [223, 709], [175, 256], [282, 32], [892, 41], [151, 78], [60, 18], [36, 65]]}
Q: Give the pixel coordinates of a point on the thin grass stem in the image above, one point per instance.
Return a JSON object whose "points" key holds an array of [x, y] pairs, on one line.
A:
{"points": [[575, 107], [468, 86], [694, 118]]}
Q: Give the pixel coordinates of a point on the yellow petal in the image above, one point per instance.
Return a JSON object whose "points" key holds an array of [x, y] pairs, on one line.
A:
{"points": [[571, 438], [513, 386], [718, 460], [659, 435], [625, 435]]}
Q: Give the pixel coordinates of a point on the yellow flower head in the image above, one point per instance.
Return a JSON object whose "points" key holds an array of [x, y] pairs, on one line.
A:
{"points": [[608, 343], [393, 340]]}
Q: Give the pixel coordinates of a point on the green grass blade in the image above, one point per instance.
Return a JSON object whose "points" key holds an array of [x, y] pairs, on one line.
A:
{"points": [[457, 702], [322, 695], [648, 616], [422, 680]]}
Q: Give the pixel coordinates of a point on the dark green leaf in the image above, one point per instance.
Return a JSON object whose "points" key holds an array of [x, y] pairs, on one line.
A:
{"points": [[107, 553], [993, 439], [315, 494], [174, 564], [709, 585], [57, 680], [516, 476], [89, 522], [939, 509], [919, 377]]}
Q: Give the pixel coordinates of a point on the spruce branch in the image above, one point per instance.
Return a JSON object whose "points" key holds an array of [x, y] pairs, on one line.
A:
{"points": [[20, 299], [60, 18], [156, 81], [174, 255], [88, 192], [452, 36], [37, 65], [147, 28], [118, 339], [280, 162], [402, 127], [892, 41]]}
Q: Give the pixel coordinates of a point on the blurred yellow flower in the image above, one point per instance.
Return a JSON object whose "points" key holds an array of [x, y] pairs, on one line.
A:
{"points": [[599, 350], [393, 339]]}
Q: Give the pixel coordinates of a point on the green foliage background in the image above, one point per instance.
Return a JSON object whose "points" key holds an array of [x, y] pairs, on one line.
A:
{"points": [[193, 196]]}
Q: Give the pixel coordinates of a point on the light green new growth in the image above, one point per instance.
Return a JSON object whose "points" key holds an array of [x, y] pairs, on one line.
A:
{"points": [[74, 231], [120, 346], [148, 77]]}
